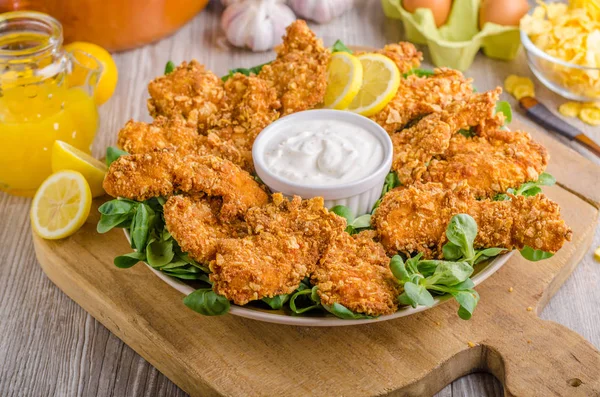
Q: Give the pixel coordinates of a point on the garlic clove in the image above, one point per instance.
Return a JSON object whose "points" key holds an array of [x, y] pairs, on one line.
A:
{"points": [[321, 11], [257, 24]]}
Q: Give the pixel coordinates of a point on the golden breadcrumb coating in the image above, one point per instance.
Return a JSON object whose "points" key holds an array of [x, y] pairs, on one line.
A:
{"points": [[256, 267], [405, 55], [190, 93], [251, 104], [142, 176], [138, 137], [414, 147], [418, 96], [195, 224], [289, 237], [299, 73], [414, 219], [355, 272], [489, 164]]}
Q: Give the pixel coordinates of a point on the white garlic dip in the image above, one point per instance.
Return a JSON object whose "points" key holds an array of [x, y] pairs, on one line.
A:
{"points": [[323, 152]]}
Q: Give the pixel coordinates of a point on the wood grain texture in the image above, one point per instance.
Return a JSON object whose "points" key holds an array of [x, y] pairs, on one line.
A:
{"points": [[50, 346], [416, 355]]}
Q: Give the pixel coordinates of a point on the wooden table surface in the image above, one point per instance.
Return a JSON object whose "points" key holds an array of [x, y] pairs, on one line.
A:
{"points": [[49, 346]]}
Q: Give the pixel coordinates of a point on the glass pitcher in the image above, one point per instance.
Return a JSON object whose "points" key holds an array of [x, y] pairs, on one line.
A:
{"points": [[46, 95]]}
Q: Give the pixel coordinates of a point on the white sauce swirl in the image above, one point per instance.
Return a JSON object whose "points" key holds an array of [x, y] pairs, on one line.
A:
{"points": [[318, 153]]}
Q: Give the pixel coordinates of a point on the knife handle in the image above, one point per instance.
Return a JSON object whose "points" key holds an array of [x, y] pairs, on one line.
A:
{"points": [[588, 143], [544, 117]]}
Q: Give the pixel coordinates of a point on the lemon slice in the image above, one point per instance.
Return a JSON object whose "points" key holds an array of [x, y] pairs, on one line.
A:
{"points": [[344, 78], [381, 79], [61, 205], [67, 157]]}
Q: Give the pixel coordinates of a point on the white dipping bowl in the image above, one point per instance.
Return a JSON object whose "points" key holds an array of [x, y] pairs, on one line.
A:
{"points": [[359, 196]]}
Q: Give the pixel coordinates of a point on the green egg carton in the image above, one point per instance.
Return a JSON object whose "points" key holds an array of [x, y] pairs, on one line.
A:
{"points": [[456, 43]]}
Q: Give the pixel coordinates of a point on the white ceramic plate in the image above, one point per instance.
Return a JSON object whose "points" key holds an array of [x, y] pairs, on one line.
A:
{"points": [[328, 320]]}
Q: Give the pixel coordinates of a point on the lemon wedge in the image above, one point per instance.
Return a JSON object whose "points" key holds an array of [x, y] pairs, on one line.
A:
{"points": [[68, 157], [344, 78], [61, 205], [381, 79]]}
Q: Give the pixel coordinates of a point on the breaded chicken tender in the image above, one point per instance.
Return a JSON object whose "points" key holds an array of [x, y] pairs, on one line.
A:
{"points": [[288, 239], [415, 147], [256, 267], [488, 164], [414, 219], [405, 55], [299, 73], [418, 96], [138, 137], [355, 273], [142, 176], [251, 104], [190, 93], [195, 224]]}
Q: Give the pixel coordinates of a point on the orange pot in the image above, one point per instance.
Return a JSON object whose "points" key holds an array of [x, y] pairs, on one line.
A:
{"points": [[114, 24]]}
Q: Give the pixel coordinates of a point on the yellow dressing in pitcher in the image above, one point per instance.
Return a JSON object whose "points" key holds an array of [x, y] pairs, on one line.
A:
{"points": [[31, 119], [45, 95]]}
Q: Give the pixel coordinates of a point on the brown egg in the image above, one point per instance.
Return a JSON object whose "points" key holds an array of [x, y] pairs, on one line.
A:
{"points": [[439, 8], [502, 12]]}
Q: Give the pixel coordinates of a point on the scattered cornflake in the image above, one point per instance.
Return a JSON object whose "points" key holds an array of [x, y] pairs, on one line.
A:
{"points": [[597, 254], [471, 344], [529, 341], [588, 112], [572, 34], [523, 91], [439, 324], [529, 309], [590, 116], [510, 82], [510, 289], [519, 86], [570, 109]]}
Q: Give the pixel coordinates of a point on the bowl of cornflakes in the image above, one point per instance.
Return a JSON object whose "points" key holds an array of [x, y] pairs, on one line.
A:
{"points": [[562, 42]]}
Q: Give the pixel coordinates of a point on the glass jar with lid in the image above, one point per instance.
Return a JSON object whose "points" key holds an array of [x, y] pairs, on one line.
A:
{"points": [[46, 94]]}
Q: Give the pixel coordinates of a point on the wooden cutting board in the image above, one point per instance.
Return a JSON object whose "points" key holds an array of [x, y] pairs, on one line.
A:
{"points": [[416, 355]]}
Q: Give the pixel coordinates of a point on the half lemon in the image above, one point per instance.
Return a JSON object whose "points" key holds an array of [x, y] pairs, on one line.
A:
{"points": [[381, 79], [344, 78], [68, 157], [61, 205]]}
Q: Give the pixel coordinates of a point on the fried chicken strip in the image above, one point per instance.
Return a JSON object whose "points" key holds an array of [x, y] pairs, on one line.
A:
{"points": [[190, 93], [418, 96], [488, 164], [415, 147], [355, 272], [414, 219], [194, 223], [142, 176], [299, 73], [172, 134], [405, 55], [289, 237], [251, 103]]}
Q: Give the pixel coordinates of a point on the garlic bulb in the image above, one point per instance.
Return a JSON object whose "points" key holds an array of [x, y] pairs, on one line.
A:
{"points": [[256, 24], [321, 11]]}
